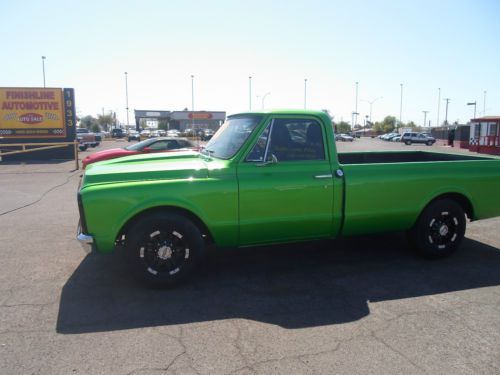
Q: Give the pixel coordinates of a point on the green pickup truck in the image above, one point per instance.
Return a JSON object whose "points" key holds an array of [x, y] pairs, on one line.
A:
{"points": [[275, 177]]}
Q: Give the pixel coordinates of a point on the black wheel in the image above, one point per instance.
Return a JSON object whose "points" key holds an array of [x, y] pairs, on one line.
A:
{"points": [[407, 143], [439, 230], [163, 249], [83, 147], [429, 143]]}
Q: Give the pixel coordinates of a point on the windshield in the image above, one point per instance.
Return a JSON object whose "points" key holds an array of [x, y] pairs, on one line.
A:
{"points": [[139, 146], [231, 136]]}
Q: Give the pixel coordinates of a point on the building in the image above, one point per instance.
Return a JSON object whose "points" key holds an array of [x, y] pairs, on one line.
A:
{"points": [[183, 120], [485, 135], [456, 135]]}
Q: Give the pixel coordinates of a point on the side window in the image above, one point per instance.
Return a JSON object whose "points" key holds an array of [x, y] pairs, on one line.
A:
{"points": [[290, 140], [259, 149], [160, 145]]}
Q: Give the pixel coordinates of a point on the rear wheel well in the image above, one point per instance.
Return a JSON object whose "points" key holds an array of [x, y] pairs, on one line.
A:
{"points": [[207, 236], [461, 199]]}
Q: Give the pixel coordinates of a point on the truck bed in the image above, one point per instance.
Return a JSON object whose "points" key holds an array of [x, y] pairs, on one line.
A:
{"points": [[402, 157]]}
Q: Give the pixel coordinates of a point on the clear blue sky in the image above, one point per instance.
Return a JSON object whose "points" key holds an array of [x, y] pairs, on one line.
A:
{"points": [[454, 45]]}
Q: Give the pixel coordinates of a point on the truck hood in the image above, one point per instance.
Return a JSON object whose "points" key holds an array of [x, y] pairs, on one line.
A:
{"points": [[144, 167]]}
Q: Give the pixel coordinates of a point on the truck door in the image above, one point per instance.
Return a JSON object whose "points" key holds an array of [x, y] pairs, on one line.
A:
{"points": [[286, 184]]}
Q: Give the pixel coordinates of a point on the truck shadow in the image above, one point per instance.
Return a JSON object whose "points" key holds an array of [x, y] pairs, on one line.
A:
{"points": [[292, 286]]}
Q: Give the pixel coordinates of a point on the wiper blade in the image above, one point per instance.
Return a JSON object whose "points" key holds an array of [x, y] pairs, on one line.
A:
{"points": [[206, 151]]}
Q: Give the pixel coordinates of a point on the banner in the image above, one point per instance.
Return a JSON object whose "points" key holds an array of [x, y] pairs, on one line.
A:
{"points": [[34, 112]]}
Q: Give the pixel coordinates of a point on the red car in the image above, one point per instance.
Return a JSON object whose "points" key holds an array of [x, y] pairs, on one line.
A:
{"points": [[161, 144]]}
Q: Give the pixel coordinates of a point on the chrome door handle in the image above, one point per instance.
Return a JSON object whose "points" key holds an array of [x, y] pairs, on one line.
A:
{"points": [[323, 176]]}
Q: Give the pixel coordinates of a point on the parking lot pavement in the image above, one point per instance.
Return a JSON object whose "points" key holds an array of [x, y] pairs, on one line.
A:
{"points": [[353, 305]]}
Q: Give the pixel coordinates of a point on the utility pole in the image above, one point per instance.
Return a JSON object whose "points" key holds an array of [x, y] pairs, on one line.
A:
{"points": [[425, 116], [446, 115], [439, 105]]}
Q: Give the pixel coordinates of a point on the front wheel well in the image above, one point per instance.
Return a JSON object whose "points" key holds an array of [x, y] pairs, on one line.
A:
{"points": [[167, 209], [461, 199]]}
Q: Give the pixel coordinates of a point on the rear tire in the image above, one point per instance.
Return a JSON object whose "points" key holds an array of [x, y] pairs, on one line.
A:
{"points": [[163, 249], [439, 230], [408, 143], [429, 143]]}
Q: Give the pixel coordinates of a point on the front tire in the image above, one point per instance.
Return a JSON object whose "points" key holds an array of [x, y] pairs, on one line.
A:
{"points": [[163, 249], [408, 143], [439, 230]]}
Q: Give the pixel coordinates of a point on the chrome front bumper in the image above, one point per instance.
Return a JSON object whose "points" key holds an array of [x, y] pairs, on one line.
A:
{"points": [[85, 240]]}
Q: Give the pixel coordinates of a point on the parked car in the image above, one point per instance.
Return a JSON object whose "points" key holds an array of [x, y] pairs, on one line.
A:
{"points": [[117, 133], [173, 133], [409, 138], [145, 133], [87, 139], [189, 132], [206, 134], [134, 136], [344, 137], [389, 136], [150, 145], [252, 185], [397, 138]]}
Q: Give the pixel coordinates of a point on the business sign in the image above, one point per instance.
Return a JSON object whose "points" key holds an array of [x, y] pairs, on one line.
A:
{"points": [[35, 112], [200, 116]]}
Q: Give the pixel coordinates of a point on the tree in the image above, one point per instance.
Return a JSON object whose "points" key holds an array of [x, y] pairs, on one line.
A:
{"points": [[88, 122], [96, 128], [163, 124], [143, 123], [386, 126], [105, 121], [342, 127]]}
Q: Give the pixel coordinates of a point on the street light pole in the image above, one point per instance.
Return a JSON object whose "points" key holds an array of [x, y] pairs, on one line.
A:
{"points": [[401, 106], [43, 70], [192, 102], [446, 113], [305, 93], [439, 105], [371, 103], [264, 98], [126, 95], [355, 117], [354, 114], [250, 92], [425, 116], [474, 103]]}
